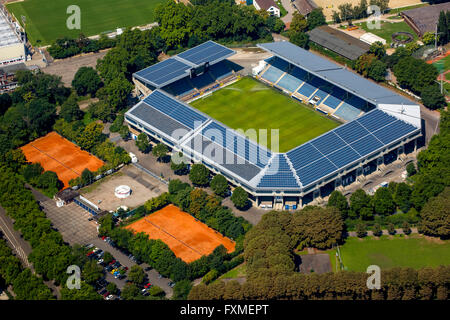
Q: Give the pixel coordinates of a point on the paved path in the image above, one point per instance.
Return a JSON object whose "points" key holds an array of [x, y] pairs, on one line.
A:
{"points": [[290, 9], [21, 247]]}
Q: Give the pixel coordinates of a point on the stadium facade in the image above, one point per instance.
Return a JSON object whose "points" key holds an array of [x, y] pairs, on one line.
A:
{"points": [[379, 126]]}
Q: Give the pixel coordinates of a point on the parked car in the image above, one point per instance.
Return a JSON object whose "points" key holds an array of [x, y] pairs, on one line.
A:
{"points": [[171, 284], [148, 285], [110, 297]]}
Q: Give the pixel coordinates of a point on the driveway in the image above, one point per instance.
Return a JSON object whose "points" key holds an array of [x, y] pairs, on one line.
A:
{"points": [[153, 275], [290, 9]]}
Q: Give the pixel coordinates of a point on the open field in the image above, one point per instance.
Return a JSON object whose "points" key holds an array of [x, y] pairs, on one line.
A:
{"points": [[388, 28], [61, 156], [187, 237], [250, 104], [415, 251], [102, 191], [46, 19]]}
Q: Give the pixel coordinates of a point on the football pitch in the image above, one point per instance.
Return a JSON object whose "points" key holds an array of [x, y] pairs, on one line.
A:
{"points": [[250, 104], [45, 20]]}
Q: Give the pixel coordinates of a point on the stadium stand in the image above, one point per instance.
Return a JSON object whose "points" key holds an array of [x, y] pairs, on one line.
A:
{"points": [[278, 174], [179, 88], [220, 70], [347, 112]]}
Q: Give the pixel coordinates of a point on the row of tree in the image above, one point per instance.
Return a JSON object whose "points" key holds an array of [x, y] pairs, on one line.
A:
{"points": [[67, 47], [347, 11]]}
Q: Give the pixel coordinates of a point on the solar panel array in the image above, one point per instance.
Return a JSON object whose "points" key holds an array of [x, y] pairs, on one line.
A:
{"points": [[278, 174], [237, 144], [206, 52], [177, 67], [175, 109], [342, 146]]}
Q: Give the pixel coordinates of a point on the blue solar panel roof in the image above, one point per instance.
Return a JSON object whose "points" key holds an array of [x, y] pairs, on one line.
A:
{"points": [[206, 52], [175, 109], [178, 67], [163, 72], [346, 144]]}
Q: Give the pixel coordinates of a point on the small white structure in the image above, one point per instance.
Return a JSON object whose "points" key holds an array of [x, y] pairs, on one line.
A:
{"points": [[267, 5], [133, 157], [371, 38], [122, 192]]}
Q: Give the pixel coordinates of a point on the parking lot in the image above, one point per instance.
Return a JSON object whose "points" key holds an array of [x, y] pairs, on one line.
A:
{"points": [[71, 221], [153, 276]]}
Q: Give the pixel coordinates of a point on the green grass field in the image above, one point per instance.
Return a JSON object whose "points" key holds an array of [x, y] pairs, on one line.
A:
{"points": [[46, 19], [415, 252], [387, 29], [250, 104]]}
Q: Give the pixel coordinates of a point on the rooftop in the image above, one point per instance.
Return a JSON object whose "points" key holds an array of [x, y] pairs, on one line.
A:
{"points": [[426, 18], [7, 34]]}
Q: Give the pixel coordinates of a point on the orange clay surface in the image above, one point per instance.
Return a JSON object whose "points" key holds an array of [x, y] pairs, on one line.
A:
{"points": [[61, 156], [188, 238]]}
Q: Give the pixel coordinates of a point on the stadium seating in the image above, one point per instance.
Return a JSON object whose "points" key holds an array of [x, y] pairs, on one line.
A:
{"points": [[202, 81], [179, 88], [347, 112], [220, 70], [306, 90], [275, 71], [335, 98], [289, 82]]}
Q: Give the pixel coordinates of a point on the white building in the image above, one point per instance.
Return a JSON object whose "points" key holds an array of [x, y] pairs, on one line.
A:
{"points": [[371, 38], [267, 5]]}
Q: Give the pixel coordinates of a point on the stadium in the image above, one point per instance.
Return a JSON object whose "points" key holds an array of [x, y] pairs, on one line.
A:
{"points": [[339, 127]]}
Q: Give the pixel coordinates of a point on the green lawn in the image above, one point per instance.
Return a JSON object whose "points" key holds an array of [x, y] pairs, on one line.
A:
{"points": [[46, 19], [408, 8], [388, 28], [415, 252], [443, 64], [239, 271], [250, 104]]}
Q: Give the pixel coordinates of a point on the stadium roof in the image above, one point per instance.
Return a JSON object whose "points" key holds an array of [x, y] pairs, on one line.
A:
{"points": [[7, 34], [179, 66], [334, 73], [425, 18], [339, 42]]}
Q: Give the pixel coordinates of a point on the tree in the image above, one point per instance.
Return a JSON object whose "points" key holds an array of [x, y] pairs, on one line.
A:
{"points": [[361, 230], [402, 196], [199, 175], [116, 92], [406, 228], [377, 71], [219, 185], [411, 169], [428, 38], [316, 227], [432, 97], [130, 292], [142, 142], [107, 257], [92, 272], [435, 216], [117, 123], [70, 111], [136, 274], [316, 18], [383, 202], [49, 181], [178, 164], [32, 171], [240, 198], [87, 177], [443, 27], [124, 133], [358, 200], [156, 291], [91, 136], [377, 48], [377, 230], [86, 81], [181, 290], [391, 229], [5, 103], [112, 288], [298, 23], [300, 39], [339, 201], [275, 24], [160, 151]]}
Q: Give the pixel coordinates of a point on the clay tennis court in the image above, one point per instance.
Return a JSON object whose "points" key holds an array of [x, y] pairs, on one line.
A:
{"points": [[61, 156], [188, 238]]}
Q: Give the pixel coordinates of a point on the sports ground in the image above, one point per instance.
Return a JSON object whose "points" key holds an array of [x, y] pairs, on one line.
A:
{"points": [[250, 104], [187, 237], [61, 156], [46, 19], [416, 252]]}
